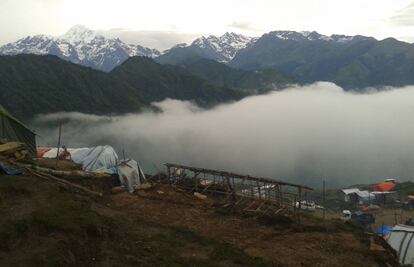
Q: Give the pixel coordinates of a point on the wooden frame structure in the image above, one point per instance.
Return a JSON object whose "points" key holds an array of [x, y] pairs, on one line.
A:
{"points": [[251, 193]]}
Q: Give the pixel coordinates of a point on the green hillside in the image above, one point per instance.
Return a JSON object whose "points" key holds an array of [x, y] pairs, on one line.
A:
{"points": [[222, 75], [360, 63], [31, 84]]}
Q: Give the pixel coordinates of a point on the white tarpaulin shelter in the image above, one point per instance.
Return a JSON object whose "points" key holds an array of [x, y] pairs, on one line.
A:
{"points": [[130, 174], [402, 240], [103, 159], [96, 159]]}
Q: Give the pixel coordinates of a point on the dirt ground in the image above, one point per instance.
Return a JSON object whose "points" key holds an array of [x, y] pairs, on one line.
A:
{"points": [[282, 243], [45, 224]]}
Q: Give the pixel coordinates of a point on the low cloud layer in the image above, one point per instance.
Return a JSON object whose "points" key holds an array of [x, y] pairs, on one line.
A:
{"points": [[303, 134]]}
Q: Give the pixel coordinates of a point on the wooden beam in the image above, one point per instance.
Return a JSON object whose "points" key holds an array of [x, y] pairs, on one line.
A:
{"points": [[235, 175]]}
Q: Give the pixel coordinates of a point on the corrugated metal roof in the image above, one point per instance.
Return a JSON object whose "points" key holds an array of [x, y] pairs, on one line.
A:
{"points": [[350, 190], [365, 194]]}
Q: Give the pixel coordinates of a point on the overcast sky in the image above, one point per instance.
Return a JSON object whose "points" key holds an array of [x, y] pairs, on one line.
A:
{"points": [[378, 18]]}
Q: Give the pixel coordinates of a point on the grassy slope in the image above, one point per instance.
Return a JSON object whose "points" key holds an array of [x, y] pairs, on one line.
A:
{"points": [[72, 230]]}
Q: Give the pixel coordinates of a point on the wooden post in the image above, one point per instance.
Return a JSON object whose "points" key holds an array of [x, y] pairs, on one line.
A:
{"points": [[169, 174], [58, 146], [196, 181], [258, 190], [300, 203], [294, 207], [323, 200]]}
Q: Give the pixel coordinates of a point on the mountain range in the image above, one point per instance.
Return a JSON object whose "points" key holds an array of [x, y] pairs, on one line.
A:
{"points": [[236, 62], [81, 46], [353, 62], [86, 47]]}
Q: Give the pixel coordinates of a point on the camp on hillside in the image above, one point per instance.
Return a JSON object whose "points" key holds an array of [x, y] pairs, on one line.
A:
{"points": [[12, 129]]}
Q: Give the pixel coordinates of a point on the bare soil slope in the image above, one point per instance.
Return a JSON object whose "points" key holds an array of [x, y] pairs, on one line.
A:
{"points": [[44, 224]]}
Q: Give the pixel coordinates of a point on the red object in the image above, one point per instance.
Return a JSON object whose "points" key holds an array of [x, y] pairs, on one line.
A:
{"points": [[42, 150], [384, 187]]}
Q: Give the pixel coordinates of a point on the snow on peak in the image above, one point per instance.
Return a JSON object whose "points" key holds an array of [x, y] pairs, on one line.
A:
{"points": [[79, 33], [313, 36], [224, 47], [80, 45], [295, 36]]}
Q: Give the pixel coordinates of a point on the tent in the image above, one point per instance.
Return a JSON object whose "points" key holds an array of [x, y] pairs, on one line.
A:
{"points": [[384, 187], [13, 130], [402, 240]]}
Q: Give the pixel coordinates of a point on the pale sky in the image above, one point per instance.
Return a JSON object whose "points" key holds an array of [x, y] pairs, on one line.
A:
{"points": [[378, 18]]}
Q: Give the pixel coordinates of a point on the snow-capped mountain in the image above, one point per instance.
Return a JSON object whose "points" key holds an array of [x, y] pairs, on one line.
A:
{"points": [[82, 46], [222, 48], [314, 36]]}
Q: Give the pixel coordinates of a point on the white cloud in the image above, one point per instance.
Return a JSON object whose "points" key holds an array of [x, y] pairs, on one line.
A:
{"points": [[301, 134]]}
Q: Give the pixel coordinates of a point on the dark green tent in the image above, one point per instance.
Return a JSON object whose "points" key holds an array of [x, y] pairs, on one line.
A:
{"points": [[13, 130]]}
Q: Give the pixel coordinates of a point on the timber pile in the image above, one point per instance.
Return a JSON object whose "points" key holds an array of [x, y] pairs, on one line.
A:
{"points": [[14, 150], [15, 155]]}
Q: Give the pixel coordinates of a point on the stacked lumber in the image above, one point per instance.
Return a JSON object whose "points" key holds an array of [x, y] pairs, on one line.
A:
{"points": [[16, 155], [14, 150]]}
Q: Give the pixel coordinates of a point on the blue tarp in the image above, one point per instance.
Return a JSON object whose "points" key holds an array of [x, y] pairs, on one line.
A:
{"points": [[4, 169], [384, 230]]}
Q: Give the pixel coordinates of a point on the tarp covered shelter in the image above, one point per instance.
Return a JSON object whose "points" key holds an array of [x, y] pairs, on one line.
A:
{"points": [[13, 130], [402, 240], [95, 159], [103, 159]]}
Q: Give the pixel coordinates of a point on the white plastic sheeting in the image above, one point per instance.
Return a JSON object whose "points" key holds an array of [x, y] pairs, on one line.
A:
{"points": [[104, 159], [96, 159], [402, 240], [130, 174], [100, 158]]}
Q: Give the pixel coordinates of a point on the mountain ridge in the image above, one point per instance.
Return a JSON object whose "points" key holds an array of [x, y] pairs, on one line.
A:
{"points": [[353, 62], [81, 46], [35, 84], [223, 75]]}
